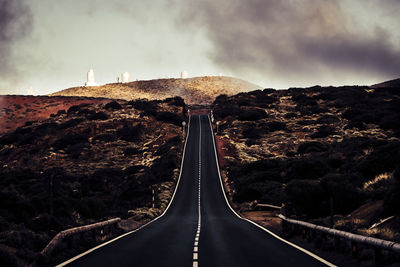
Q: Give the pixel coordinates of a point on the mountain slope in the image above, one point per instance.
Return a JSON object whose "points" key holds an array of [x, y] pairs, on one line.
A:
{"points": [[199, 90], [391, 84]]}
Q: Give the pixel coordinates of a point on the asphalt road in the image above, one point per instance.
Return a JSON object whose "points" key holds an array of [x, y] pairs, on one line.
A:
{"points": [[198, 228]]}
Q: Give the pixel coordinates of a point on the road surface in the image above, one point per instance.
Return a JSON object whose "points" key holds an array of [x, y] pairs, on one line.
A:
{"points": [[198, 228]]}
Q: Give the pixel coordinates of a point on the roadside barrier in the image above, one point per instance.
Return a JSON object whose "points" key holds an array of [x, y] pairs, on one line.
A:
{"points": [[310, 231], [98, 229]]}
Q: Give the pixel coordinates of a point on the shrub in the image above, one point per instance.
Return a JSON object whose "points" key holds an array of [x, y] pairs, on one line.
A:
{"points": [[306, 169], [324, 131], [98, 116], [276, 126], [129, 151], [327, 119], [60, 112], [76, 108], [130, 133], [175, 101], [310, 147], [290, 115], [307, 197], [346, 197], [224, 110], [169, 117], [382, 159], [143, 105], [105, 137], [252, 115], [113, 105], [173, 141], [307, 122], [92, 208], [70, 123], [251, 131], [7, 257], [70, 139]]}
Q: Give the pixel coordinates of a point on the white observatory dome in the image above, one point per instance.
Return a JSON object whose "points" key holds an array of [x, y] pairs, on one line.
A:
{"points": [[184, 74], [125, 77], [90, 79]]}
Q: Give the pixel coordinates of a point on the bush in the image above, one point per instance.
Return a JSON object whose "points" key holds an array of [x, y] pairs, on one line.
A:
{"points": [[276, 126], [70, 139], [143, 105], [224, 110], [175, 101], [328, 119], [169, 117], [105, 137], [310, 147], [129, 151], [70, 123], [306, 169], [113, 105], [252, 115], [251, 131], [173, 141], [76, 108], [98, 116], [323, 131], [7, 258], [307, 197], [130, 133], [346, 197]]}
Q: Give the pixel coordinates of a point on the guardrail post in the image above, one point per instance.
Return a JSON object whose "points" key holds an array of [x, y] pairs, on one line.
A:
{"points": [[311, 235], [354, 249], [337, 243], [378, 257]]}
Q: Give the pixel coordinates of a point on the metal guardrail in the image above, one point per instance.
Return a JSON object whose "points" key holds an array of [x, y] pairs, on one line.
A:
{"points": [[366, 240], [269, 206], [76, 230]]}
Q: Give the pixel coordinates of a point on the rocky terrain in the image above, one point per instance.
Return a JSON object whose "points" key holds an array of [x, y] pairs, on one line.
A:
{"points": [[16, 110], [200, 90], [316, 150], [86, 164]]}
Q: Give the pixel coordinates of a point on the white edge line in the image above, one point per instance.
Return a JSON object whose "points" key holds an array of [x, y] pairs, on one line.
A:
{"points": [[141, 227], [259, 226]]}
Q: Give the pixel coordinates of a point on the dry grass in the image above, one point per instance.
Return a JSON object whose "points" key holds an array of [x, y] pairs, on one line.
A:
{"points": [[199, 90], [378, 179]]}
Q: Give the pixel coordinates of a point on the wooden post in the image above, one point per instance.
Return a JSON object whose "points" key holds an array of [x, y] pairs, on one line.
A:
{"points": [[337, 243], [153, 198], [354, 249], [331, 211], [378, 258]]}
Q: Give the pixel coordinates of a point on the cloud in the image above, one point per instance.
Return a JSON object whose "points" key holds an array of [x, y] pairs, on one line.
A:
{"points": [[291, 39], [15, 23]]}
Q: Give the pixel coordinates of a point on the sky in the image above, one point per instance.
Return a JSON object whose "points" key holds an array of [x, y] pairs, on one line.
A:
{"points": [[50, 45]]}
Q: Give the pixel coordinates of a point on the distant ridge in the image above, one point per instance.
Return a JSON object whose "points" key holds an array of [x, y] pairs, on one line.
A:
{"points": [[391, 83], [198, 90]]}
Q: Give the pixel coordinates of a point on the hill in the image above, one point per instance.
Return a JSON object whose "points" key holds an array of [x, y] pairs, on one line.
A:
{"points": [[200, 90], [16, 110], [306, 147], [87, 164], [392, 83]]}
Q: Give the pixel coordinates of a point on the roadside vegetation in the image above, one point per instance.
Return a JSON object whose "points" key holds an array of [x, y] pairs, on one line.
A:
{"points": [[313, 147], [86, 164]]}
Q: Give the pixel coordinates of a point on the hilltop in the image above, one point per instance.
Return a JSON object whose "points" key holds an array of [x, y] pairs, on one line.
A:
{"points": [[199, 90], [388, 84]]}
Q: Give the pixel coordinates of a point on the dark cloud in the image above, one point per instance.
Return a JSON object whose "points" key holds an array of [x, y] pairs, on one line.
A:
{"points": [[291, 39], [15, 23]]}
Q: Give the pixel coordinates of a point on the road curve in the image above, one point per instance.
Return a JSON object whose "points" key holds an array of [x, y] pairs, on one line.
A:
{"points": [[198, 228]]}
